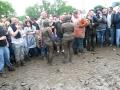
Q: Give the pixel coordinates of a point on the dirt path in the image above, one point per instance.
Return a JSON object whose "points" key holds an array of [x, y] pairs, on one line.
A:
{"points": [[90, 71]]}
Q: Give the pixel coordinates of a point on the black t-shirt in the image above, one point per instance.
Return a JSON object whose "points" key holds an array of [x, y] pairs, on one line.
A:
{"points": [[14, 29], [58, 27], [2, 33], [37, 26]]}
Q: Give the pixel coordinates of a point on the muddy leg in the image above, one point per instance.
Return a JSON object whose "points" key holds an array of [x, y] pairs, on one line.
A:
{"points": [[50, 55], [64, 53], [70, 51]]}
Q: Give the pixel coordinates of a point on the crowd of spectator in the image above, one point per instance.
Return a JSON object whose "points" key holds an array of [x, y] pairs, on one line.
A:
{"points": [[22, 40]]}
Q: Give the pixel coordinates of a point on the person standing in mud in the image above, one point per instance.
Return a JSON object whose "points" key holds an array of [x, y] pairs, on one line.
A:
{"points": [[43, 22], [111, 25], [58, 30], [117, 24], [107, 32], [4, 53], [6, 25], [101, 26], [75, 19], [90, 32], [17, 41], [30, 37], [43, 17], [67, 30]]}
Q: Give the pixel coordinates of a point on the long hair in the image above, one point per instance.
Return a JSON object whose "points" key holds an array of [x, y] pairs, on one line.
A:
{"points": [[28, 22]]}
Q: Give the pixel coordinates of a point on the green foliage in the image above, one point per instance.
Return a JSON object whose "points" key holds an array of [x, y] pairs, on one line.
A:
{"points": [[33, 11], [46, 5], [21, 18], [6, 9], [57, 8], [61, 7], [114, 4]]}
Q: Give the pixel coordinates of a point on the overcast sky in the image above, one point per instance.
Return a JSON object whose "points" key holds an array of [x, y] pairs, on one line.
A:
{"points": [[21, 5]]}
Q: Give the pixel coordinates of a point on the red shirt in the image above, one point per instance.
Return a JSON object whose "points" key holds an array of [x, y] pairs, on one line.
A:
{"points": [[79, 32]]}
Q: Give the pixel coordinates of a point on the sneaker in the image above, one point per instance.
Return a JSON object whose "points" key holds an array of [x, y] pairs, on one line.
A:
{"points": [[58, 51], [11, 68], [63, 51], [22, 63]]}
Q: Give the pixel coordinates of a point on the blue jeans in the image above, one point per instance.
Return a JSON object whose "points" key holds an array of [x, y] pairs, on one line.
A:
{"points": [[112, 35], [101, 37], [78, 43], [12, 54], [118, 37], [42, 51], [4, 58], [107, 36]]}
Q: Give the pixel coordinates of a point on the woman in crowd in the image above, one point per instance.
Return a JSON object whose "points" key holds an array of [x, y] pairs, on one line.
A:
{"points": [[30, 31]]}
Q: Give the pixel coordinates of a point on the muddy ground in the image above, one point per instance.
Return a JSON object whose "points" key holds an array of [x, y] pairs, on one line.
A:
{"points": [[98, 70]]}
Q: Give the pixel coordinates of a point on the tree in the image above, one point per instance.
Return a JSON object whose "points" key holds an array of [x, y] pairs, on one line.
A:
{"points": [[21, 18], [65, 9], [57, 8], [98, 7], [6, 9], [46, 5], [33, 11], [60, 7], [114, 4]]}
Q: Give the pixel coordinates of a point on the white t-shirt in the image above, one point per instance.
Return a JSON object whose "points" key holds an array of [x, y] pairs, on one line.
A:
{"points": [[13, 39], [109, 20]]}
